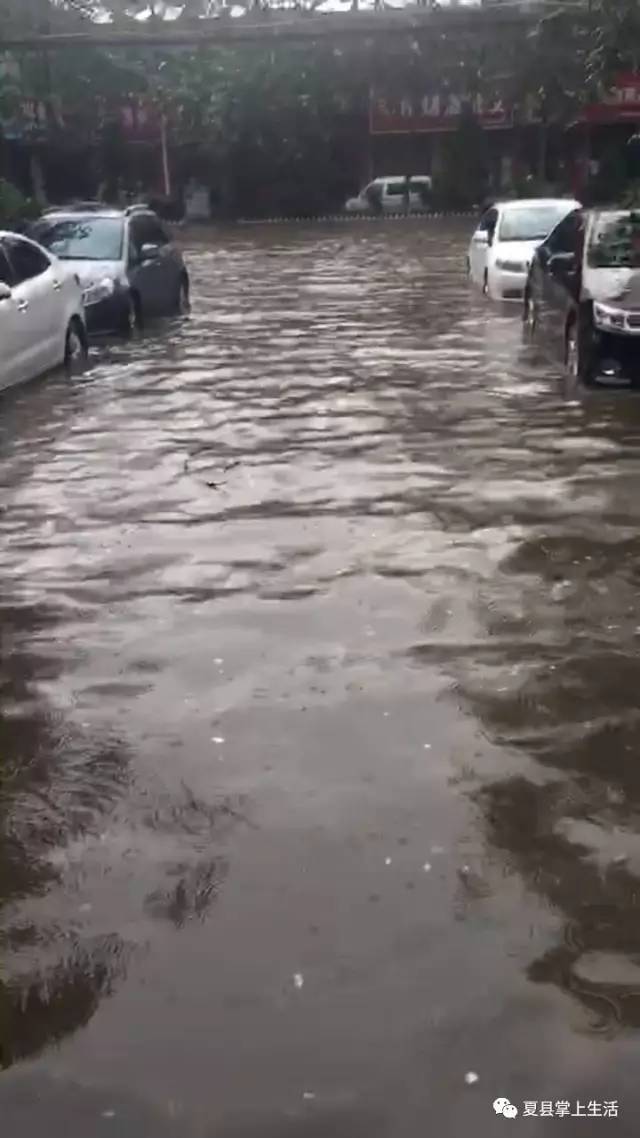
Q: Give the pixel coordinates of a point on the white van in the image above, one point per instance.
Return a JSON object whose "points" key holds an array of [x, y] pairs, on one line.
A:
{"points": [[388, 194]]}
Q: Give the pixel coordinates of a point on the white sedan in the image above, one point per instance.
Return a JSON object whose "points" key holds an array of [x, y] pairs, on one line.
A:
{"points": [[505, 240], [41, 313]]}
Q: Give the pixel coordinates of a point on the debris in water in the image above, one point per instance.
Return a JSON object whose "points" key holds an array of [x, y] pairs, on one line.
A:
{"points": [[387, 861], [470, 1078], [427, 746], [308, 1095], [620, 859], [298, 979], [427, 866], [108, 1114], [217, 738], [435, 850]]}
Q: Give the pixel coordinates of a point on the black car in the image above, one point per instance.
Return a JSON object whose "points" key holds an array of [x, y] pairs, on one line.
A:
{"points": [[582, 296], [127, 264]]}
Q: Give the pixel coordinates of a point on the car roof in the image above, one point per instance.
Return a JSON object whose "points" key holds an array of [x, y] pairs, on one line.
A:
{"points": [[401, 177], [66, 213], [524, 203], [22, 236]]}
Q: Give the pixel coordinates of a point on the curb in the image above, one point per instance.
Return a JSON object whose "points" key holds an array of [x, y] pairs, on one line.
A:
{"points": [[348, 218]]}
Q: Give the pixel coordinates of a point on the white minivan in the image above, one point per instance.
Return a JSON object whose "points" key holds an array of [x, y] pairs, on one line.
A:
{"points": [[41, 313], [388, 194]]}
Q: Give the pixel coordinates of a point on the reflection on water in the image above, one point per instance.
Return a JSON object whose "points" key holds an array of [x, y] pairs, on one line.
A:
{"points": [[319, 658]]}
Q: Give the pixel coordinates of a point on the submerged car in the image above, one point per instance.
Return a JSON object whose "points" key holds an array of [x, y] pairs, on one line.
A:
{"points": [[393, 194], [583, 295], [125, 259], [41, 316], [505, 240]]}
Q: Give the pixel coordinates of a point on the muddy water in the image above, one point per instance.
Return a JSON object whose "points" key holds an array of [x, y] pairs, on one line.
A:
{"points": [[319, 676]]}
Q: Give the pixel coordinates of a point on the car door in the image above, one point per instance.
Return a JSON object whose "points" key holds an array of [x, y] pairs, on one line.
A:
{"points": [[393, 195], [168, 264], [9, 316], [419, 194], [480, 245], [149, 275], [39, 301], [559, 263]]}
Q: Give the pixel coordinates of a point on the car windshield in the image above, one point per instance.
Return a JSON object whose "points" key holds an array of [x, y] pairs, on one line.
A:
{"points": [[614, 241], [531, 223], [82, 238]]}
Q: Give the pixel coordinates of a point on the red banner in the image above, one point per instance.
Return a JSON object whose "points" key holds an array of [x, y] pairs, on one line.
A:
{"points": [[621, 104], [433, 113]]}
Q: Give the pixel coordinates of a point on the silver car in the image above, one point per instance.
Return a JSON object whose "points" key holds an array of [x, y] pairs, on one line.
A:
{"points": [[126, 261]]}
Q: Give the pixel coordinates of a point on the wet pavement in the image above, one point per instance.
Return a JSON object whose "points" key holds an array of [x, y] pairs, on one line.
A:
{"points": [[319, 712]]}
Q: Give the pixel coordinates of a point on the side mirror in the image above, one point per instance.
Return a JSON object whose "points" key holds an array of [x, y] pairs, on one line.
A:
{"points": [[149, 253], [5, 291], [481, 237], [562, 262]]}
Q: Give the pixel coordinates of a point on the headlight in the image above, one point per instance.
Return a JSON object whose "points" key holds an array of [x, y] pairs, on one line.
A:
{"points": [[101, 290], [606, 317], [511, 266]]}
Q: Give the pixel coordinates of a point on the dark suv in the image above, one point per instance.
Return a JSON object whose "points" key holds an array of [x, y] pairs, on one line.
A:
{"points": [[583, 294], [125, 260]]}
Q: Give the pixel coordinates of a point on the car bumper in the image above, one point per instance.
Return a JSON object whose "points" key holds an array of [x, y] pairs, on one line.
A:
{"points": [[107, 315], [508, 285]]}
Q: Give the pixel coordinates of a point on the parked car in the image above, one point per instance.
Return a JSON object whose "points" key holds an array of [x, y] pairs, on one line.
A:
{"points": [[391, 194], [505, 240], [126, 261], [41, 315], [583, 294]]}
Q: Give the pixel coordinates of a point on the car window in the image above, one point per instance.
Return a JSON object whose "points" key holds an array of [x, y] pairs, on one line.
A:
{"points": [[530, 223], [566, 236], [27, 261], [147, 230], [6, 273], [81, 238], [614, 240], [488, 221], [395, 189]]}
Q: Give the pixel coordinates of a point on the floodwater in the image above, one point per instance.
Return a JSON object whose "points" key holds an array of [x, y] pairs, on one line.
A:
{"points": [[320, 714]]}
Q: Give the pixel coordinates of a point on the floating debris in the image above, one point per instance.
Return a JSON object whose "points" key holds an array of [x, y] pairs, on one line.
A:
{"points": [[298, 979], [427, 746], [308, 1095], [387, 861], [217, 738], [470, 1078], [108, 1114], [435, 850], [427, 866]]}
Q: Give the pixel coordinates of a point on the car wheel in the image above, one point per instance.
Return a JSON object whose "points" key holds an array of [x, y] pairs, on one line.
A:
{"points": [[131, 315], [183, 304], [75, 345], [530, 315], [578, 354]]}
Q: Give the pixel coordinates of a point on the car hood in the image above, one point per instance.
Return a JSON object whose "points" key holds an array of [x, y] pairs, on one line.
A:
{"points": [[91, 272], [613, 286], [521, 251]]}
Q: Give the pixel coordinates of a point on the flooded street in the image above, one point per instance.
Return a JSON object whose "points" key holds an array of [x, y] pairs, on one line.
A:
{"points": [[319, 711]]}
